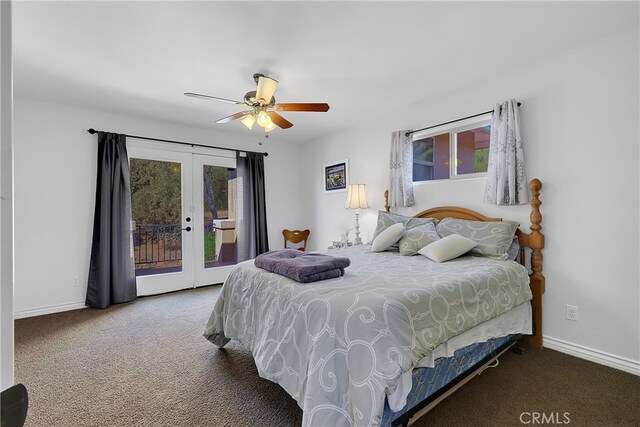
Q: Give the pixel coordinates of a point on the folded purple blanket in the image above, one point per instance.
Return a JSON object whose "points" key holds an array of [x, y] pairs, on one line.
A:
{"points": [[302, 267]]}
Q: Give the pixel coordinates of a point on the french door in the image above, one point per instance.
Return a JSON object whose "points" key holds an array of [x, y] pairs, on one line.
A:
{"points": [[185, 213]]}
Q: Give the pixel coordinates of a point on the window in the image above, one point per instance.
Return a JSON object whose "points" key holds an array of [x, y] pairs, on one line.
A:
{"points": [[454, 152]]}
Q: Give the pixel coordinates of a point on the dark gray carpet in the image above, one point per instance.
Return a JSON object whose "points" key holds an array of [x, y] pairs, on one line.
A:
{"points": [[147, 364]]}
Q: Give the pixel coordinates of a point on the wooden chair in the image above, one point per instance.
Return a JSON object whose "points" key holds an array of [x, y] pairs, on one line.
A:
{"points": [[296, 236]]}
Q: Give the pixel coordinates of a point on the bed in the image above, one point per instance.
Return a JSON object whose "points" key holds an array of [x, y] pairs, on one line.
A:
{"points": [[394, 332]]}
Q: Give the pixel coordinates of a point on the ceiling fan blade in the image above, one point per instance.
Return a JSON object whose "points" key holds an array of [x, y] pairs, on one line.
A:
{"points": [[266, 88], [302, 107], [214, 98], [279, 120], [234, 117]]}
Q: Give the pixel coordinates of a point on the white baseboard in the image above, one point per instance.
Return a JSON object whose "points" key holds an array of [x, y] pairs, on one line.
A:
{"points": [[597, 356], [50, 309]]}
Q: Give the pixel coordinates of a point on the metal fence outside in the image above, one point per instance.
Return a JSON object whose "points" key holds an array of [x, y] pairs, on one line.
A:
{"points": [[160, 245]]}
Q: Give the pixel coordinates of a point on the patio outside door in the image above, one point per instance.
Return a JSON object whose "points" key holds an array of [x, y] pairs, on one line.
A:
{"points": [[184, 203]]}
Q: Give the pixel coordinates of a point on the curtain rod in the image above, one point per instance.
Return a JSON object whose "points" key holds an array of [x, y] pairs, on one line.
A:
{"points": [[451, 121], [92, 131]]}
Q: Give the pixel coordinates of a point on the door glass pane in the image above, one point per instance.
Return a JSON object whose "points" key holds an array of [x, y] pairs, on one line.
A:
{"points": [[220, 216], [431, 158], [156, 201], [473, 150]]}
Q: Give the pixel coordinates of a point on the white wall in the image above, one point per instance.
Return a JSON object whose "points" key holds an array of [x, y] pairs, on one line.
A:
{"points": [[580, 119], [55, 170], [6, 199]]}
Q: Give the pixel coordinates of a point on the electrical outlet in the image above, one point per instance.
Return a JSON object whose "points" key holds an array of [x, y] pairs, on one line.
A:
{"points": [[76, 281], [572, 312]]}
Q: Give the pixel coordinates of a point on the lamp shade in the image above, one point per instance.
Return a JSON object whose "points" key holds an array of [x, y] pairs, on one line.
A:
{"points": [[249, 120], [263, 118], [266, 88], [357, 197], [269, 126]]}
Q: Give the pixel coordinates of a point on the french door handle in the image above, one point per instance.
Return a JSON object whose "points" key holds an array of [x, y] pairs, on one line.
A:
{"points": [[187, 229]]}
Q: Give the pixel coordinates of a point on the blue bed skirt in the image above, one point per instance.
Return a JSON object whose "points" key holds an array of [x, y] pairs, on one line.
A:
{"points": [[428, 381]]}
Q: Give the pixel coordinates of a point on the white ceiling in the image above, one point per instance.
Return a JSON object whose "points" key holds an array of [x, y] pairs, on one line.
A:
{"points": [[137, 58]]}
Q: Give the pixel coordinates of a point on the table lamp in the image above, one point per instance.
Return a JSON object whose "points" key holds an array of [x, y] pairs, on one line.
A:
{"points": [[357, 199]]}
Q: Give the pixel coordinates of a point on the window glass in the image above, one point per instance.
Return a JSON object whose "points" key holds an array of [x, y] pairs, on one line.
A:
{"points": [[220, 215], [457, 153], [431, 158], [472, 149], [156, 204]]}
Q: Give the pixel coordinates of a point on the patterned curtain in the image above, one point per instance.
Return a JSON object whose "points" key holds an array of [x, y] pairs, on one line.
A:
{"points": [[401, 170], [506, 177]]}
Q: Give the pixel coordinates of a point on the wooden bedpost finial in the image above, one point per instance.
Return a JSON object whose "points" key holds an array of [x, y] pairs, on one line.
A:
{"points": [[536, 238], [536, 216], [386, 200], [536, 243]]}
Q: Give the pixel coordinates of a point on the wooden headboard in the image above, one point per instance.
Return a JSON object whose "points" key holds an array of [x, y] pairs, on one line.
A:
{"points": [[533, 240]]}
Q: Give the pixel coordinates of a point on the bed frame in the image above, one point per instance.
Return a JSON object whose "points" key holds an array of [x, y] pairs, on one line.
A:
{"points": [[533, 240], [425, 406]]}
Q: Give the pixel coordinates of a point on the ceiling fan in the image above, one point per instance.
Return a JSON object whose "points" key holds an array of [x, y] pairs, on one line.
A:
{"points": [[263, 108]]}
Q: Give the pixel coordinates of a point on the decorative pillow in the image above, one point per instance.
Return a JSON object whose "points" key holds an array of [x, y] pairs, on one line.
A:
{"points": [[417, 238], [447, 248], [417, 222], [514, 250], [493, 238], [387, 219], [387, 237]]}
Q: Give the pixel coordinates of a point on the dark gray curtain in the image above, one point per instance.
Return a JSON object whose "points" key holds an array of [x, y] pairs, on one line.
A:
{"points": [[253, 239], [112, 277]]}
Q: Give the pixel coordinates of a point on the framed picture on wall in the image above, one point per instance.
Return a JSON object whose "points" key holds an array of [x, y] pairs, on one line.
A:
{"points": [[336, 177]]}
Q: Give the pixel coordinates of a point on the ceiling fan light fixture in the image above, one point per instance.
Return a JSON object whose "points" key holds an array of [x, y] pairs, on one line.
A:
{"points": [[249, 120], [266, 88], [270, 126], [263, 118]]}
